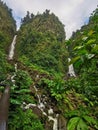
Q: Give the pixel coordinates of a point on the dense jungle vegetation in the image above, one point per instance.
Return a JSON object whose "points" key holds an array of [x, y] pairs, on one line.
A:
{"points": [[41, 54], [7, 31], [42, 41]]}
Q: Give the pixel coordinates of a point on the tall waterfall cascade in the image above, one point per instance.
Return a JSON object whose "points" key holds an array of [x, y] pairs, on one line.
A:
{"points": [[10, 57], [71, 71], [42, 104], [12, 48]]}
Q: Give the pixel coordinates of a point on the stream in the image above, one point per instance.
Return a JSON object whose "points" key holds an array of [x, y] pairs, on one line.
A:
{"points": [[12, 48], [58, 122], [42, 105], [41, 102]]}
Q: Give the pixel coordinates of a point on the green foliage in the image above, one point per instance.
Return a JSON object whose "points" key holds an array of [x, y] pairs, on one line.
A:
{"points": [[21, 90], [86, 63], [25, 61], [84, 85], [55, 86], [41, 41], [41, 48], [5, 67], [2, 66], [22, 79], [84, 50], [27, 18], [7, 23], [44, 23], [83, 47], [24, 120], [77, 123], [80, 120], [7, 30]]}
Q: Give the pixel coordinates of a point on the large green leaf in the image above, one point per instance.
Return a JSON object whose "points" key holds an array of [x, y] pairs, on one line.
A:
{"points": [[14, 101], [82, 52], [23, 91], [91, 41], [82, 125], [91, 32], [72, 124], [74, 60], [90, 120], [95, 49], [78, 47]]}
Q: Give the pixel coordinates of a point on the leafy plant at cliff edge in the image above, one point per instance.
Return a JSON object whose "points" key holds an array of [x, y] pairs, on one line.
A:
{"points": [[80, 120]]}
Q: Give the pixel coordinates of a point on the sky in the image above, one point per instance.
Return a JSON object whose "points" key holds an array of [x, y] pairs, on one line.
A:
{"points": [[72, 13]]}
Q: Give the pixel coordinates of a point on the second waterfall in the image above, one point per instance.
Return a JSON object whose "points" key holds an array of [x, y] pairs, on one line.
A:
{"points": [[12, 48]]}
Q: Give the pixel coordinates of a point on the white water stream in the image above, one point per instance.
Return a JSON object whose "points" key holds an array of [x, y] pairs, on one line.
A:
{"points": [[71, 71], [10, 57], [41, 102], [12, 48], [42, 105], [13, 76]]}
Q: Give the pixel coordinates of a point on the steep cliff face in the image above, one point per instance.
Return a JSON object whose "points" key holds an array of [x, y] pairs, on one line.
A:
{"points": [[83, 45], [7, 31], [41, 41], [7, 26], [41, 97], [86, 32], [45, 23]]}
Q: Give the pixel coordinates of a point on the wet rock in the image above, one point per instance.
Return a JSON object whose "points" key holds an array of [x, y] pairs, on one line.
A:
{"points": [[37, 111], [61, 123], [49, 125]]}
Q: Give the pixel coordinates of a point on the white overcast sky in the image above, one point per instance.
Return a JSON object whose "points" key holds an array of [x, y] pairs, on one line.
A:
{"points": [[72, 13]]}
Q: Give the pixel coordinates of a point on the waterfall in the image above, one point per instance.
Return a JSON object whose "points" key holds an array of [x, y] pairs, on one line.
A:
{"points": [[42, 105], [11, 52], [10, 57], [55, 120], [71, 71], [13, 76]]}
